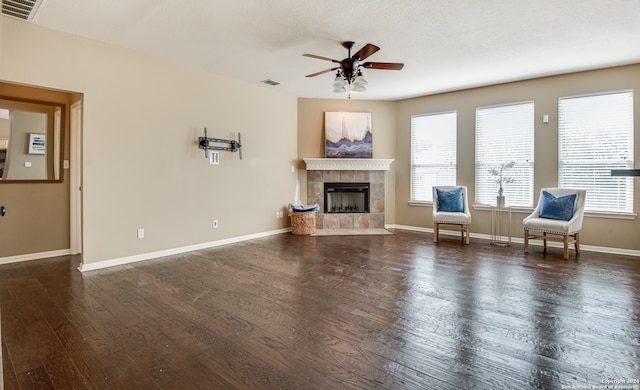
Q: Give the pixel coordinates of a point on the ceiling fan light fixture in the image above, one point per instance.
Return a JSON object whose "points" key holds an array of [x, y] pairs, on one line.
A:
{"points": [[360, 80], [349, 71], [339, 81]]}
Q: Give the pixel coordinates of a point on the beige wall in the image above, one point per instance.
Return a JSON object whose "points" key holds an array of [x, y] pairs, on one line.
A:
{"points": [[142, 167], [606, 232], [311, 138], [392, 140], [5, 128], [141, 164]]}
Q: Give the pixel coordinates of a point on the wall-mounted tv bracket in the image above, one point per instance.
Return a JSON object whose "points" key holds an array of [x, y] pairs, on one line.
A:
{"points": [[232, 145]]}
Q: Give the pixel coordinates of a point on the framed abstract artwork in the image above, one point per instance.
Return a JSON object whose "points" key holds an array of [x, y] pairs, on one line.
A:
{"points": [[37, 144], [348, 135]]}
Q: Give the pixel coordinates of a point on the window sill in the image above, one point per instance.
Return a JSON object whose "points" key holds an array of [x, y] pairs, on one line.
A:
{"points": [[590, 214], [420, 203], [514, 209], [529, 210], [609, 214]]}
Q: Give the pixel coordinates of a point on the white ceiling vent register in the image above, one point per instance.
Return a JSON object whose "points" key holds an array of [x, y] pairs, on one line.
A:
{"points": [[20, 9], [270, 82]]}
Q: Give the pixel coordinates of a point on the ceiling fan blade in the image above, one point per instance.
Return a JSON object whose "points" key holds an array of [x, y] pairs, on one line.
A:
{"points": [[383, 65], [321, 72], [321, 58], [365, 52]]}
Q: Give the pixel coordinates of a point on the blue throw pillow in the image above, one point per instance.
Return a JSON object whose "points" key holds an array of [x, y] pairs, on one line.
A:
{"points": [[450, 200], [560, 208]]}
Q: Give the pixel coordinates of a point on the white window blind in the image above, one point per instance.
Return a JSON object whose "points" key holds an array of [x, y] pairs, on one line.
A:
{"points": [[433, 153], [596, 136], [505, 134]]}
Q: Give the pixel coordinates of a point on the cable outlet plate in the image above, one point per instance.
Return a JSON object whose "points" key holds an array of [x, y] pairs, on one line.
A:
{"points": [[214, 158]]}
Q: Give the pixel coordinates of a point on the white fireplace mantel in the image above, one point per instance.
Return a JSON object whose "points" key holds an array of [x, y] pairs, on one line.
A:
{"points": [[348, 164]]}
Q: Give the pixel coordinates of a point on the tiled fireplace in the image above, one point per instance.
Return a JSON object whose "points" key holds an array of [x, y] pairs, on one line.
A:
{"points": [[360, 171]]}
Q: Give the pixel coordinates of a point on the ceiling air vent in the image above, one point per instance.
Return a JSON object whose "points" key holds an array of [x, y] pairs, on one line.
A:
{"points": [[270, 82], [21, 9]]}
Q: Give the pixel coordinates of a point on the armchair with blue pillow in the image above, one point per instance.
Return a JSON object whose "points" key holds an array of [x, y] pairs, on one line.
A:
{"points": [[557, 217], [451, 210]]}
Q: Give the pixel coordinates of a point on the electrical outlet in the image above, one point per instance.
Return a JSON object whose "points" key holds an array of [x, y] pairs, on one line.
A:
{"points": [[215, 223], [140, 233]]}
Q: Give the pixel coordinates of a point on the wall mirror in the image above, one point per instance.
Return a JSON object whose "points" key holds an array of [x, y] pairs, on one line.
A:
{"points": [[31, 140]]}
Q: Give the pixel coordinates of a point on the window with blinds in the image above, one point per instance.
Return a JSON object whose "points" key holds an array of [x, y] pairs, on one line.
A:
{"points": [[596, 136], [433, 153], [505, 134]]}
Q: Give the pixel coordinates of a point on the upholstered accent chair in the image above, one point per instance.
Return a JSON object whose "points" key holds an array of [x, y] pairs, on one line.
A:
{"points": [[557, 217], [451, 211]]}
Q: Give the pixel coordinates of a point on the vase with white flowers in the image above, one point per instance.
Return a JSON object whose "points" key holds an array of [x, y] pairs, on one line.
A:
{"points": [[501, 179]]}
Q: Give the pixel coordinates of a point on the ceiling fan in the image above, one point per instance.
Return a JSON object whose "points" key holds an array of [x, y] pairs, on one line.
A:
{"points": [[349, 71]]}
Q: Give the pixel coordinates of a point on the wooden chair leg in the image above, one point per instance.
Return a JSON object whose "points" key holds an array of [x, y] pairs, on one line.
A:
{"points": [[466, 228], [544, 239], [566, 247], [435, 232], [526, 241], [577, 243]]}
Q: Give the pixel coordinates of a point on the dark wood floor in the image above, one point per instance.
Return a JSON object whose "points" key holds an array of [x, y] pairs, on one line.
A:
{"points": [[337, 312]]}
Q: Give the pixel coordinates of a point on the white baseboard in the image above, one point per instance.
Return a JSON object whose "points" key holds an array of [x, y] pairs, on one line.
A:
{"points": [[174, 251], [153, 255], [34, 256], [590, 248]]}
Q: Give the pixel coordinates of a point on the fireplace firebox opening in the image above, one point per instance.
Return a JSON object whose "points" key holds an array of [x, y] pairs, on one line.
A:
{"points": [[346, 198]]}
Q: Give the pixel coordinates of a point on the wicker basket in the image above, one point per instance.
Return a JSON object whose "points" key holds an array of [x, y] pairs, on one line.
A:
{"points": [[303, 223]]}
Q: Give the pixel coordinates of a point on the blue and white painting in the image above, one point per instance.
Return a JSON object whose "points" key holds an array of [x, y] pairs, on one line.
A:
{"points": [[348, 135]]}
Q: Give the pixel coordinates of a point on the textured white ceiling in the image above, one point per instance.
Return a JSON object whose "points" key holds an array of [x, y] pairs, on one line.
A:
{"points": [[444, 44]]}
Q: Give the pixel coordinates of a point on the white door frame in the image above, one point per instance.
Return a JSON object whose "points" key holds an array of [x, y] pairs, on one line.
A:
{"points": [[75, 179]]}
